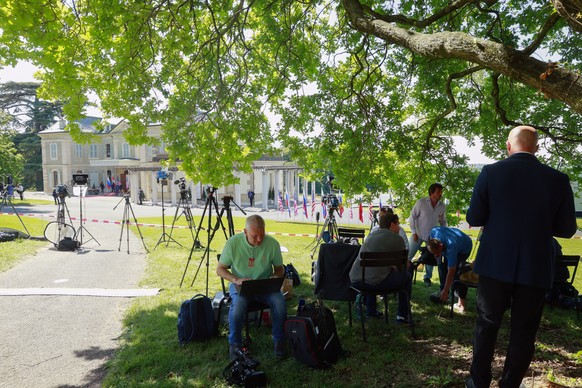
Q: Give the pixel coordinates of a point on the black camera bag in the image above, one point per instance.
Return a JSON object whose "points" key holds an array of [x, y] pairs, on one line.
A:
{"points": [[68, 244], [313, 337]]}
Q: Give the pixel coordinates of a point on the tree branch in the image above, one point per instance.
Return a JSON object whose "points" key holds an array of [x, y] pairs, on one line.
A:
{"points": [[563, 84]]}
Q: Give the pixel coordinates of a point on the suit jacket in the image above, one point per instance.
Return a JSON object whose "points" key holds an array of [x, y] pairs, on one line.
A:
{"points": [[521, 203]]}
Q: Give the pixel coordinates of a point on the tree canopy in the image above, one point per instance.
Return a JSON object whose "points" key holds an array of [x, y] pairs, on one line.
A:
{"points": [[370, 90], [29, 115]]}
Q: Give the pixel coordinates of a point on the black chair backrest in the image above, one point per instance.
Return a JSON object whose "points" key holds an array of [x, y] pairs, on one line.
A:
{"points": [[569, 261], [384, 259], [351, 233], [398, 259]]}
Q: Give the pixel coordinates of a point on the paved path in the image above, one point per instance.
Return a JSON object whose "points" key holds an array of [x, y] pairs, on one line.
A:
{"points": [[65, 340]]}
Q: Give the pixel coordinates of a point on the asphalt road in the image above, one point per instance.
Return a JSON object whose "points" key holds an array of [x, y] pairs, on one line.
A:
{"points": [[65, 340]]}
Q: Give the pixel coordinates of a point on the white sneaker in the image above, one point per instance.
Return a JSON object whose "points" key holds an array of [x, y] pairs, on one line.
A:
{"points": [[458, 308]]}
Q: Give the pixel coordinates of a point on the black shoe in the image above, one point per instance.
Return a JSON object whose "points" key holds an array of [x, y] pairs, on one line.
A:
{"points": [[427, 283], [435, 298], [469, 383], [400, 320], [233, 351]]}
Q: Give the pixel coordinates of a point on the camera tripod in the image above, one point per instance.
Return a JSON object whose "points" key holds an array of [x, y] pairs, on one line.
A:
{"points": [[211, 230], [164, 234], [81, 226], [183, 204], [329, 228], [125, 223], [6, 201]]}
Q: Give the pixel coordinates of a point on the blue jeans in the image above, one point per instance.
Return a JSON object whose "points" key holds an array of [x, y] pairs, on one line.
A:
{"points": [[394, 280], [238, 309], [414, 247]]}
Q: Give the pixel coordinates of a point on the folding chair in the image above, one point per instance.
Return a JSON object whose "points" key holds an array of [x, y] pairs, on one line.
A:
{"points": [[254, 306], [352, 233], [570, 262], [397, 259]]}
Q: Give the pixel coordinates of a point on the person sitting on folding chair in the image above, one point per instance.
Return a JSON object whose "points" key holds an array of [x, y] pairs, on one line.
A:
{"points": [[456, 247], [253, 255], [382, 240]]}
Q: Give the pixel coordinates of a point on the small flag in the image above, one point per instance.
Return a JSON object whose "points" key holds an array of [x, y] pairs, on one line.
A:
{"points": [[287, 202], [341, 206], [361, 212], [296, 209], [371, 212], [305, 206], [280, 199], [323, 210], [313, 203]]}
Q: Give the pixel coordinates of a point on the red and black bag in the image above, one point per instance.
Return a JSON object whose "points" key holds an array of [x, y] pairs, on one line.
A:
{"points": [[313, 337]]}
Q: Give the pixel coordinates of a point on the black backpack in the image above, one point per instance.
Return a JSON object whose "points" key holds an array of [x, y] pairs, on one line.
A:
{"points": [[313, 337], [196, 320], [68, 244]]}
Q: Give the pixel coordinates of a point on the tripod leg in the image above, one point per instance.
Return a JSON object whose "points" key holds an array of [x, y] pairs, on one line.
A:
{"points": [[137, 226], [207, 207], [121, 234]]}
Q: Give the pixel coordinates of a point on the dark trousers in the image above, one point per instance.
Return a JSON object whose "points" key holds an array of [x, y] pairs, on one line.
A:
{"points": [[392, 281], [444, 269], [526, 303]]}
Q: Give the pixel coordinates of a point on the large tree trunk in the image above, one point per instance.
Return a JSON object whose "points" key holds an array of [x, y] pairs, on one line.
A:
{"points": [[558, 83]]}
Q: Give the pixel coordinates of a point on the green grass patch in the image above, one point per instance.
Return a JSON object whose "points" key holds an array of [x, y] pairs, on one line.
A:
{"points": [[12, 252]]}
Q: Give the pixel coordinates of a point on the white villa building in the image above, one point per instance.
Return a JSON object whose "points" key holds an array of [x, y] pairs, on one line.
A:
{"points": [[110, 157]]}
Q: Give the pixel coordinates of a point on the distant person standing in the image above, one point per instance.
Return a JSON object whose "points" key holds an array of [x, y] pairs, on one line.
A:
{"points": [[20, 191], [55, 196], [251, 195], [426, 213], [141, 196], [102, 186], [521, 203]]}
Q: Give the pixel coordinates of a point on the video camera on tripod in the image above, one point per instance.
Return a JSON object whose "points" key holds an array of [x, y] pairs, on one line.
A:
{"points": [[181, 183], [331, 201], [63, 191]]}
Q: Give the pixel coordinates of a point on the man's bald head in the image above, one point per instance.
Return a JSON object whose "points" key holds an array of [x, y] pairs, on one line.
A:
{"points": [[522, 139]]}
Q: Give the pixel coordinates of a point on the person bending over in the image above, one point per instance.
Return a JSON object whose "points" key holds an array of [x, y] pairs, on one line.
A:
{"points": [[377, 278], [456, 247], [252, 255]]}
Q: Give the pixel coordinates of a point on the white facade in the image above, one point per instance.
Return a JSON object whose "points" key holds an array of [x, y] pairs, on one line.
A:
{"points": [[111, 157]]}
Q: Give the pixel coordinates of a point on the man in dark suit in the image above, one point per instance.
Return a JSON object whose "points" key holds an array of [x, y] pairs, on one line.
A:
{"points": [[521, 203]]}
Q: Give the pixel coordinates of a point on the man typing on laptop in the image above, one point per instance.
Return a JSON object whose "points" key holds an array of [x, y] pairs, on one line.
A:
{"points": [[246, 256]]}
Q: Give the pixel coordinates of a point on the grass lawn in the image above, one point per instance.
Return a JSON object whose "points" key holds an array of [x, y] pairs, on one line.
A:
{"points": [[440, 356], [149, 353], [12, 252]]}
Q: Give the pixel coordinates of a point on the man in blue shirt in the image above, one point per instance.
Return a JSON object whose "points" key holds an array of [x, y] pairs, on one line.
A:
{"points": [[456, 247]]}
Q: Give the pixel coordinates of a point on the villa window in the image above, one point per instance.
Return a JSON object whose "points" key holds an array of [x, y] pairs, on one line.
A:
{"points": [[53, 151]]}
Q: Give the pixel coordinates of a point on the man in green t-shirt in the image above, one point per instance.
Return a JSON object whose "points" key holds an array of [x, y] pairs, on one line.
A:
{"points": [[252, 255]]}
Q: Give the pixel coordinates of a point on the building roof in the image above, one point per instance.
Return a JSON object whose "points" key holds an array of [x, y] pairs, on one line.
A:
{"points": [[87, 124]]}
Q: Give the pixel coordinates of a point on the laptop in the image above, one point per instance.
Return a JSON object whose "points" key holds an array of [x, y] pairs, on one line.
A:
{"points": [[260, 286]]}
